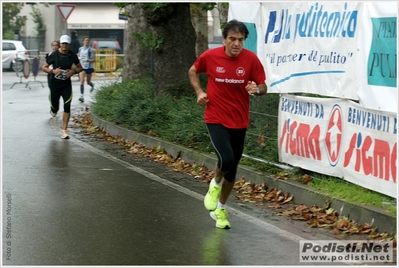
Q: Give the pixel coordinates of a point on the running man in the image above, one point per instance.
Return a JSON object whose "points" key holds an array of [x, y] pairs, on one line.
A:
{"points": [[62, 61], [234, 74]]}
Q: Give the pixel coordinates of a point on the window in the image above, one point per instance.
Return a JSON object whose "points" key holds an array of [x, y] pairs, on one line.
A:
{"points": [[9, 46]]}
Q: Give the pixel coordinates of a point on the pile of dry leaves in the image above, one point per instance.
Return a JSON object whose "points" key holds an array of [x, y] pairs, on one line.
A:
{"points": [[259, 194]]}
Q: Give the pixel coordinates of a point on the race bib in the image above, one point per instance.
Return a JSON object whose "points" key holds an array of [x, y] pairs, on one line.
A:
{"points": [[61, 76]]}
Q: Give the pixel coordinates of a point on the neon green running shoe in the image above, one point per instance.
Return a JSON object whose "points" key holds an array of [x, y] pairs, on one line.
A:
{"points": [[212, 197], [220, 216]]}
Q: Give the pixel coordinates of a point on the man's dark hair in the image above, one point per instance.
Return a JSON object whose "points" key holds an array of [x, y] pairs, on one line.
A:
{"points": [[235, 26]]}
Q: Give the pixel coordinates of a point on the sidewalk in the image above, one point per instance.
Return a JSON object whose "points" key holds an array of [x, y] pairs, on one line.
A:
{"points": [[303, 194]]}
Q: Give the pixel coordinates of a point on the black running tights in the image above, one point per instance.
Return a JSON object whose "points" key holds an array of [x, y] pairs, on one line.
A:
{"points": [[229, 146]]}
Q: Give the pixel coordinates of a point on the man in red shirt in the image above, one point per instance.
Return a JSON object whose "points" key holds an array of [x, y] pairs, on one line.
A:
{"points": [[234, 74]]}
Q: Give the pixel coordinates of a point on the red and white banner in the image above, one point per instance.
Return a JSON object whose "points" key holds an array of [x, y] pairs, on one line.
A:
{"points": [[346, 50], [339, 138]]}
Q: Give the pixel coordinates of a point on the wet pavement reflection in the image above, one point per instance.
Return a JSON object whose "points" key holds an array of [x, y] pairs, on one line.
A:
{"points": [[66, 203]]}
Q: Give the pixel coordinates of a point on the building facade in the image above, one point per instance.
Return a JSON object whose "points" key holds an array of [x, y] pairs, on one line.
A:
{"points": [[93, 19], [96, 20]]}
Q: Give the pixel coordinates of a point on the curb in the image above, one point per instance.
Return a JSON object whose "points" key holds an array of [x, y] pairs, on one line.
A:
{"points": [[302, 193]]}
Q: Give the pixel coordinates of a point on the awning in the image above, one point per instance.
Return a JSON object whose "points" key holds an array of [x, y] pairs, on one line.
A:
{"points": [[95, 16]]}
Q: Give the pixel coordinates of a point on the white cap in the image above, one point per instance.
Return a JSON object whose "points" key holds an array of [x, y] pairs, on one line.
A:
{"points": [[65, 39]]}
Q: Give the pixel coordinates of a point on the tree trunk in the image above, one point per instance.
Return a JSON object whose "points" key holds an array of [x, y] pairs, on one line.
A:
{"points": [[199, 18], [176, 53], [137, 59], [223, 13]]}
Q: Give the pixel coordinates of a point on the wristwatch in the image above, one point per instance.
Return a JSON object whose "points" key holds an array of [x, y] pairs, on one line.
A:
{"points": [[257, 91]]}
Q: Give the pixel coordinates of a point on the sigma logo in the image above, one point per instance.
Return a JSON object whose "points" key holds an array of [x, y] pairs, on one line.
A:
{"points": [[220, 70], [333, 137], [240, 71]]}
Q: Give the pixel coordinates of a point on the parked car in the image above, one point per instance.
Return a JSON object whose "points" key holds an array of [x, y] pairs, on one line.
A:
{"points": [[13, 55], [106, 43]]}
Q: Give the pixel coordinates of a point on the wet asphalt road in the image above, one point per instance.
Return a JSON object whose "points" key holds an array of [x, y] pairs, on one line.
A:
{"points": [[66, 202]]}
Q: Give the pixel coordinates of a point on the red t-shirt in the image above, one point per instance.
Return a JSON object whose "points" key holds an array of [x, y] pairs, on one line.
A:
{"points": [[227, 77]]}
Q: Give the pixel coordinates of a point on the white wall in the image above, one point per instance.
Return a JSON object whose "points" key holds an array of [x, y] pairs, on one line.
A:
{"points": [[52, 19]]}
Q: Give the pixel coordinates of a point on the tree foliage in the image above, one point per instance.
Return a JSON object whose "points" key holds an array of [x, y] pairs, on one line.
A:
{"points": [[148, 40], [12, 23], [38, 20]]}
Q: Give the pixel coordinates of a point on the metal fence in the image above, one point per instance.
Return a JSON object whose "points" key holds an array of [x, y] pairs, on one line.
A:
{"points": [[262, 135], [106, 61], [31, 42]]}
